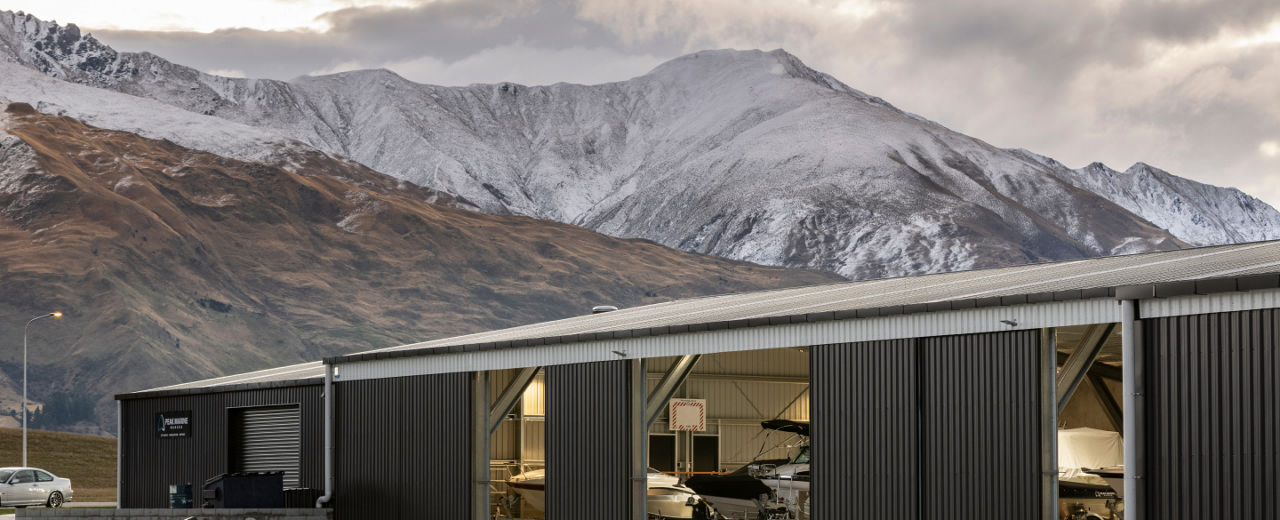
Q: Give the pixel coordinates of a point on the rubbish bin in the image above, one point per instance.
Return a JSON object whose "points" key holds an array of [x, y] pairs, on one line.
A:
{"points": [[245, 490], [300, 497], [180, 496]]}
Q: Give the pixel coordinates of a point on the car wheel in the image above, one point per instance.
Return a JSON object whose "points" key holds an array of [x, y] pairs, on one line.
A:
{"points": [[55, 499]]}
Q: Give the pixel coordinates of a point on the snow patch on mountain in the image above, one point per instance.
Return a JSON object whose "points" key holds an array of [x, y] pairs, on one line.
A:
{"points": [[145, 117], [744, 154], [1198, 213]]}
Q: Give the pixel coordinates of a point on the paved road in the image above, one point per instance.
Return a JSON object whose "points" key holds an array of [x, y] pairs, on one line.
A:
{"points": [[71, 504]]}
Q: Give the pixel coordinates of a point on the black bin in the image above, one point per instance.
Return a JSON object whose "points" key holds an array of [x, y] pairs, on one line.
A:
{"points": [[245, 490], [180, 496], [300, 497]]}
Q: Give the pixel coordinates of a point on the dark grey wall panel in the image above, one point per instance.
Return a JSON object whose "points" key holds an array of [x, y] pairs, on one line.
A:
{"points": [[150, 464], [979, 425], [863, 409], [1212, 406], [943, 428], [402, 448], [588, 441]]}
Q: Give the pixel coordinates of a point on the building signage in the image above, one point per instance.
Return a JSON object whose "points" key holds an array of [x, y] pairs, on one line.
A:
{"points": [[688, 415], [173, 424]]}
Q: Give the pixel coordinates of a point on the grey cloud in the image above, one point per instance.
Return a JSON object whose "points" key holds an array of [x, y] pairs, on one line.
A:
{"points": [[1038, 74], [448, 31]]}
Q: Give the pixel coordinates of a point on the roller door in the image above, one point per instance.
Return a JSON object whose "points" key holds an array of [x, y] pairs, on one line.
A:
{"points": [[1212, 415], [270, 439]]}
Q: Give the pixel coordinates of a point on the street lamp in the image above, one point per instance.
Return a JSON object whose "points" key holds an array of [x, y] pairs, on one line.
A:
{"points": [[54, 314]]}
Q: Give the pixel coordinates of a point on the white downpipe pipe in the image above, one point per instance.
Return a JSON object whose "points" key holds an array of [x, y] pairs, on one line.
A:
{"points": [[328, 437], [119, 452]]}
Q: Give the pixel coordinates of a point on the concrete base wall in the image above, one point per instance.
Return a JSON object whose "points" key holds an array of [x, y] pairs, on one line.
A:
{"points": [[167, 514]]}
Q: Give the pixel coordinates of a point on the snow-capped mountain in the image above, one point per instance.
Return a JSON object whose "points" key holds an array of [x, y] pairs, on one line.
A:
{"points": [[742, 154]]}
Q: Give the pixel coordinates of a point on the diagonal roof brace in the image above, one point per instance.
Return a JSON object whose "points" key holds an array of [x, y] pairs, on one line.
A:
{"points": [[1109, 405], [510, 396], [657, 401], [1081, 360]]}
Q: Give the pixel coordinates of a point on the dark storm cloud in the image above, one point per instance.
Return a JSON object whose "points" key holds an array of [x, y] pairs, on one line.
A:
{"points": [[1081, 80], [1057, 38], [447, 31]]}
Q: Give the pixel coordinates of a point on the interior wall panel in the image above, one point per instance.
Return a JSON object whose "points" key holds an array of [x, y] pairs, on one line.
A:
{"points": [[1212, 406], [588, 441]]}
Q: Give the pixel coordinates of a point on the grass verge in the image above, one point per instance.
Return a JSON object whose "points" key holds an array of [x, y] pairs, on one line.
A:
{"points": [[88, 460]]}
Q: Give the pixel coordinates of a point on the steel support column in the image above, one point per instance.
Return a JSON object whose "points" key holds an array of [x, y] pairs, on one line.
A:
{"points": [[1080, 361], [639, 441], [1130, 338], [510, 396], [478, 398], [672, 380], [1049, 393]]}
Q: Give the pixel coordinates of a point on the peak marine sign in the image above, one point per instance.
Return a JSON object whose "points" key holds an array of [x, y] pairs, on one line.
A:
{"points": [[173, 424]]}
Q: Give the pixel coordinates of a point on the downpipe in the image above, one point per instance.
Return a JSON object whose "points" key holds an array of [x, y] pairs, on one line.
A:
{"points": [[328, 437]]}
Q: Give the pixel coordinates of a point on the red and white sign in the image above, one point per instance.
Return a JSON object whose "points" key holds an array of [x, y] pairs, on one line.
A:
{"points": [[688, 415]]}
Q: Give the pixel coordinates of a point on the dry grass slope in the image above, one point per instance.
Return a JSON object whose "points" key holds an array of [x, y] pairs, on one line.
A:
{"points": [[89, 461], [174, 265]]}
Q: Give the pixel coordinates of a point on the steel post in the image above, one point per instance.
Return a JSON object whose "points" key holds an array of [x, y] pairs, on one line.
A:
{"points": [[1131, 339], [479, 419], [1048, 425]]}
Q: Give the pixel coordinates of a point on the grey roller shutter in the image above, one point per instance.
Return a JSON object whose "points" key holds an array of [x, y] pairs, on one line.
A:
{"points": [[271, 440]]}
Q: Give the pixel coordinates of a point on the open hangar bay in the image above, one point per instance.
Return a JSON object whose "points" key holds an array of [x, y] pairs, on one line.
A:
{"points": [[939, 396]]}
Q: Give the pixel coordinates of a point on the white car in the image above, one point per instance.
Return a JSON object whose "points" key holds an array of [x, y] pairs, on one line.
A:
{"points": [[22, 487]]}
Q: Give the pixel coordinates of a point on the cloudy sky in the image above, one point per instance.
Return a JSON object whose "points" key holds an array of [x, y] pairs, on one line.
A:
{"points": [[1191, 86]]}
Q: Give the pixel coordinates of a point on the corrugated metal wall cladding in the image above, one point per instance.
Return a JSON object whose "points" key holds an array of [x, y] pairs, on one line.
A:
{"points": [[1212, 303], [402, 448], [151, 464], [970, 321], [865, 430], [1081, 274], [979, 398], [588, 441], [1212, 408], [942, 427]]}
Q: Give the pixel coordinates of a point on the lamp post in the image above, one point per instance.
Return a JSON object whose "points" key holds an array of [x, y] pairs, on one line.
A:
{"points": [[54, 314]]}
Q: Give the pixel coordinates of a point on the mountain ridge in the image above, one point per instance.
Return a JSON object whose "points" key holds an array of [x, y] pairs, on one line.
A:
{"points": [[173, 264], [742, 154]]}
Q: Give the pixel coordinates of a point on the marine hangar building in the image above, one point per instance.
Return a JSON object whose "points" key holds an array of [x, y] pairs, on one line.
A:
{"points": [[935, 396]]}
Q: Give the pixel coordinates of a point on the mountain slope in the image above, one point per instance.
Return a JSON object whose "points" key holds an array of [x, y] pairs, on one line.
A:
{"points": [[746, 155], [174, 264]]}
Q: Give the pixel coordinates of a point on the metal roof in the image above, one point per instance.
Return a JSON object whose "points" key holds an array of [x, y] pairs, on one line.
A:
{"points": [[1202, 270]]}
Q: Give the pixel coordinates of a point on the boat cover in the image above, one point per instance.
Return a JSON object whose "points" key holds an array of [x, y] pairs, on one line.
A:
{"points": [[784, 425], [1080, 448]]}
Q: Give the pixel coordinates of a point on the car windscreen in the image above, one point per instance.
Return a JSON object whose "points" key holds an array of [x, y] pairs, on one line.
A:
{"points": [[5, 474]]}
